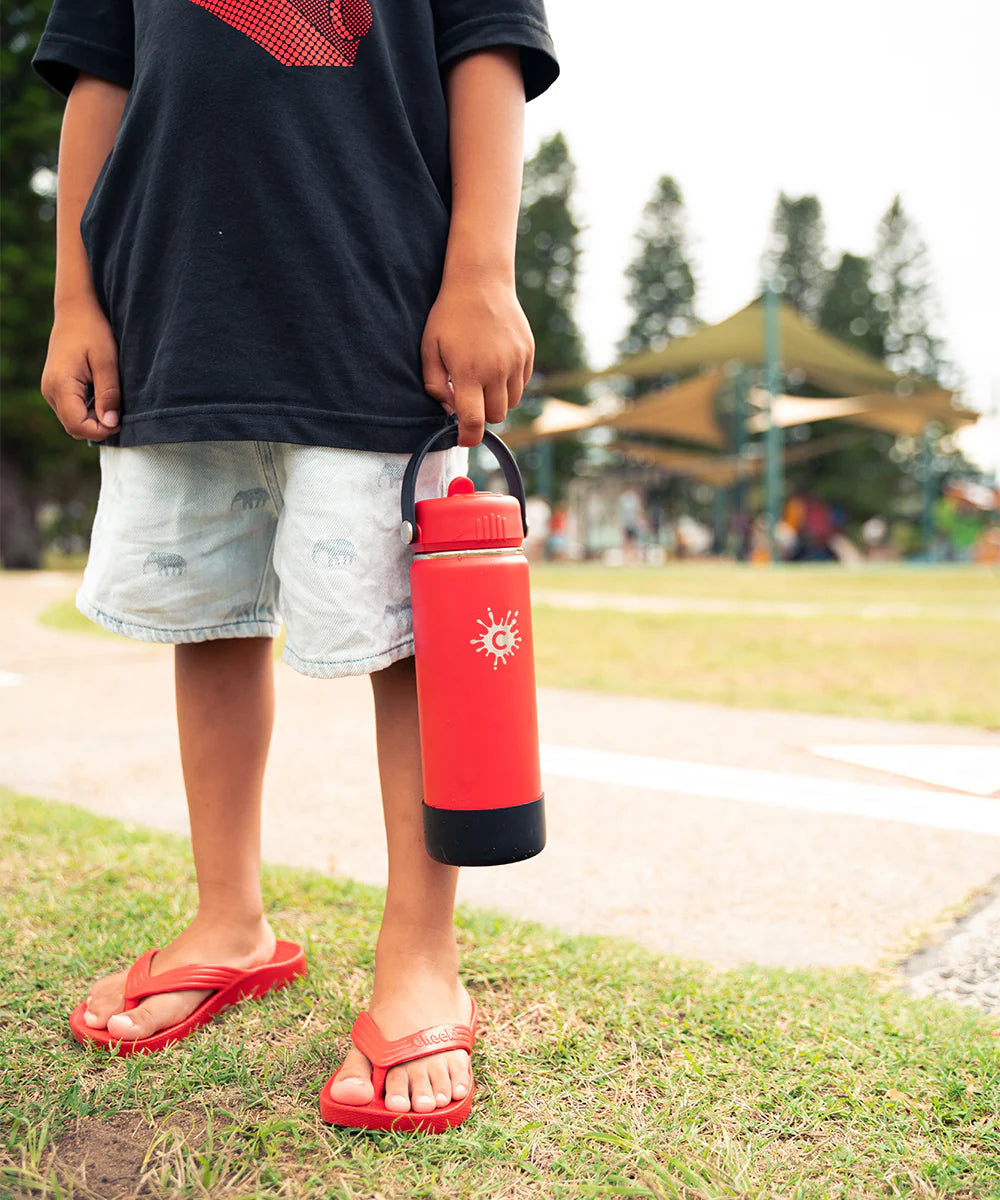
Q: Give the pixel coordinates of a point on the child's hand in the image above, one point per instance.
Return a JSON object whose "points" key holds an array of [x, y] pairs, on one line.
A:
{"points": [[82, 349], [477, 334]]}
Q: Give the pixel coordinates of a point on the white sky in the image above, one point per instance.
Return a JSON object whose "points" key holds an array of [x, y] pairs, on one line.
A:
{"points": [[852, 102]]}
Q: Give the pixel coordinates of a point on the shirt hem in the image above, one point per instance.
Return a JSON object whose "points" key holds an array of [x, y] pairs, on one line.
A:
{"points": [[301, 426]]}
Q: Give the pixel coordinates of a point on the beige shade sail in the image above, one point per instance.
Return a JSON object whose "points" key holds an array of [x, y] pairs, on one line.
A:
{"points": [[888, 411], [719, 470], [685, 412], [723, 470], [557, 418], [823, 359]]}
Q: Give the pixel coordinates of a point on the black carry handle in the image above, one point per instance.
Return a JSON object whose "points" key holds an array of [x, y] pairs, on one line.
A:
{"points": [[445, 439]]}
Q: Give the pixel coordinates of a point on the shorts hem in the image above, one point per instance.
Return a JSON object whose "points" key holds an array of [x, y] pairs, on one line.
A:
{"points": [[335, 669], [153, 633]]}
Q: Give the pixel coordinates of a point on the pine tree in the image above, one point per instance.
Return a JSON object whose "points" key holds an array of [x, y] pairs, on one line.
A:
{"points": [[548, 254], [849, 309], [39, 459], [546, 269], [904, 293], [794, 256], [661, 283]]}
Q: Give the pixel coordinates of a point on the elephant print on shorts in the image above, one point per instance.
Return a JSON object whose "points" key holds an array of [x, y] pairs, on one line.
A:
{"points": [[334, 552], [391, 475], [158, 562], [250, 498], [397, 618]]}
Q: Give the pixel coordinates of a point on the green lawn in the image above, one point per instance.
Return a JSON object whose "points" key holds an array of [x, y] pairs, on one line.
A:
{"points": [[602, 1070], [938, 661], [827, 584]]}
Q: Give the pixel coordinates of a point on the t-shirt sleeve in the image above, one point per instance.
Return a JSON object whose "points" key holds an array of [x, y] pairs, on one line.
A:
{"points": [[461, 26], [96, 36]]}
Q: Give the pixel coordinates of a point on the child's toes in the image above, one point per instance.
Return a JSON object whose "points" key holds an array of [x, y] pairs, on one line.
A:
{"points": [[100, 1008], [458, 1071], [353, 1084], [440, 1080], [136, 1023], [421, 1091], [397, 1090]]}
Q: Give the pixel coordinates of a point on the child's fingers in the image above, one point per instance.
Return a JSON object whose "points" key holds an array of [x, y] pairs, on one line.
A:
{"points": [[67, 398], [107, 390], [470, 409], [514, 390], [496, 400], [435, 373]]}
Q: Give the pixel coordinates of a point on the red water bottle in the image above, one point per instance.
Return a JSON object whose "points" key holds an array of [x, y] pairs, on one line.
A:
{"points": [[483, 800]]}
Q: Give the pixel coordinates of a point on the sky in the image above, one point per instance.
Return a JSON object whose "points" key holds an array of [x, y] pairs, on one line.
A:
{"points": [[852, 102]]}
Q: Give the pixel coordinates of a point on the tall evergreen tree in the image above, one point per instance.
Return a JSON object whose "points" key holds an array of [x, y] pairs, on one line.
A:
{"points": [[548, 255], [38, 459], [904, 293], [546, 271], [661, 283], [849, 310], [794, 255]]}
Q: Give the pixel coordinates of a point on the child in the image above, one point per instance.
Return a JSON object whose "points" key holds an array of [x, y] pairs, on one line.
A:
{"points": [[285, 251]]}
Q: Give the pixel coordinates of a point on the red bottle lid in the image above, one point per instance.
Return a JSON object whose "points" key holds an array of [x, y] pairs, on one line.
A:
{"points": [[467, 520]]}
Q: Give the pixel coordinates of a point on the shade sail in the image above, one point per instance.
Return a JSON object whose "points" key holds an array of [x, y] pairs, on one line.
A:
{"points": [[723, 470], [685, 412], [719, 470], [557, 418], [825, 361], [876, 410]]}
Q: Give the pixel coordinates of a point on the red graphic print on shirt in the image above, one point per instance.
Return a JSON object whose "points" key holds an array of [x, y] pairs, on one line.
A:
{"points": [[299, 33]]}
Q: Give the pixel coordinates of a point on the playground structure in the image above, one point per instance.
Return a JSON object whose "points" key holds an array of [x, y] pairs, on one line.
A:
{"points": [[745, 357]]}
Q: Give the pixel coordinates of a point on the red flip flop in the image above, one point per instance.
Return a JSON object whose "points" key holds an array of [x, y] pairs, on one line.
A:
{"points": [[231, 985], [383, 1055]]}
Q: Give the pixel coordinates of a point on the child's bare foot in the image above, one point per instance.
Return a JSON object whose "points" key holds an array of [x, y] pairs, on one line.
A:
{"points": [[228, 945], [412, 991]]}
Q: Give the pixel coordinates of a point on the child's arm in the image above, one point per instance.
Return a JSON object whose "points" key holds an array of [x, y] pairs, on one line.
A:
{"points": [[477, 332], [82, 347]]}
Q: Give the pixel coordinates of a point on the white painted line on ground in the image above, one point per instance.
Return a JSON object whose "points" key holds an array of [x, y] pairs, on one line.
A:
{"points": [[973, 769], [717, 606], [940, 810]]}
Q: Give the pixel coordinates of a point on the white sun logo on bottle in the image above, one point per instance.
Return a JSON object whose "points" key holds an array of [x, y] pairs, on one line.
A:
{"points": [[499, 639]]}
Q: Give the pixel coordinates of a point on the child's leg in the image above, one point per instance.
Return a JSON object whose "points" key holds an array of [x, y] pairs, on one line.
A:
{"points": [[225, 714], [416, 961]]}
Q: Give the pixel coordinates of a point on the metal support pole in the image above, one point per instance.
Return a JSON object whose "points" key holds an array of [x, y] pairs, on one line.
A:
{"points": [[738, 433], [546, 471], [773, 445], [927, 492]]}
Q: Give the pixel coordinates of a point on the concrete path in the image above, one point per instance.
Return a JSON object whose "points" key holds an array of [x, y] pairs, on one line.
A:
{"points": [[733, 872]]}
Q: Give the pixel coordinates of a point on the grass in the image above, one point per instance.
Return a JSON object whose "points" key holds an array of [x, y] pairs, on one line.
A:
{"points": [[603, 1070], [938, 662], [827, 584]]}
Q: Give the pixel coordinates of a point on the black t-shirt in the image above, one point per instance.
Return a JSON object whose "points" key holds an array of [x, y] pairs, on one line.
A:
{"points": [[268, 232]]}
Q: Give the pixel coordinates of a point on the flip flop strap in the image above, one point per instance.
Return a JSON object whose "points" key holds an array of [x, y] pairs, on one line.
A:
{"points": [[435, 1039], [140, 983]]}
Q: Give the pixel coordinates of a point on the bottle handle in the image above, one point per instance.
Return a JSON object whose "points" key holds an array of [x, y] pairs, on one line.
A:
{"points": [[445, 439]]}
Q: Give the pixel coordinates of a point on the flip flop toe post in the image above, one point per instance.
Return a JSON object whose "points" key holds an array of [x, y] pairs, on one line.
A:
{"points": [[230, 985], [384, 1055]]}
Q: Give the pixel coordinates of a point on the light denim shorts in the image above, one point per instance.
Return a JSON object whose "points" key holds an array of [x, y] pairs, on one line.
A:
{"points": [[200, 540]]}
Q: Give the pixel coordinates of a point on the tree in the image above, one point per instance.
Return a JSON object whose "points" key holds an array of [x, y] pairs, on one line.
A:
{"points": [[38, 460], [548, 255], [904, 293], [794, 256], [661, 282], [546, 269], [849, 309]]}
